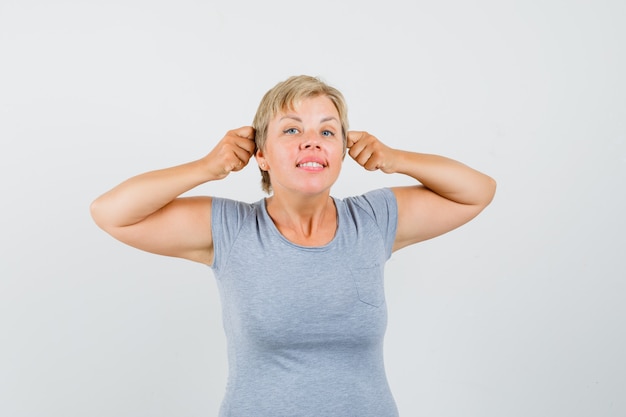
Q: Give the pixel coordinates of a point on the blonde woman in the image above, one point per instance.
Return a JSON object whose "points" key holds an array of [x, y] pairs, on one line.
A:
{"points": [[300, 273]]}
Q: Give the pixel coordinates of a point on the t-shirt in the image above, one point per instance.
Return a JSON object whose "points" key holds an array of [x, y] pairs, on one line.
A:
{"points": [[305, 325]]}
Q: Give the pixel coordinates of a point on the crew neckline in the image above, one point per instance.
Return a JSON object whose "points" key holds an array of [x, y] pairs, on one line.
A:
{"points": [[274, 229]]}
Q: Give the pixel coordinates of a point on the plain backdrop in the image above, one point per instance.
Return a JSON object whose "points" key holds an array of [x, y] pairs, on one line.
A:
{"points": [[519, 313]]}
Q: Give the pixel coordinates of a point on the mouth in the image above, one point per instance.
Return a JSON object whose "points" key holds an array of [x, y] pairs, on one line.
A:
{"points": [[311, 165]]}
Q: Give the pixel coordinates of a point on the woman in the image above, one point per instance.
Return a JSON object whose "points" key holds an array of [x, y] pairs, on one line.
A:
{"points": [[300, 273]]}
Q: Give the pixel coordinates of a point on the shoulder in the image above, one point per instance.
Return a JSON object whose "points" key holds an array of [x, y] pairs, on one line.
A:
{"points": [[379, 202], [373, 213], [228, 219], [228, 208]]}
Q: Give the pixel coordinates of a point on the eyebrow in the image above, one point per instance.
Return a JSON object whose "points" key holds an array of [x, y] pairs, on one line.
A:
{"points": [[297, 119], [330, 118]]}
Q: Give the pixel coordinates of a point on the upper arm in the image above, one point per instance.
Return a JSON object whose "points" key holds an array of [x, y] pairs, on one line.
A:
{"points": [[423, 214], [180, 229]]}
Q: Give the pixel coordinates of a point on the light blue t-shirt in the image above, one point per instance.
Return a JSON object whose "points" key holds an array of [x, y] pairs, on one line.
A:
{"points": [[305, 325]]}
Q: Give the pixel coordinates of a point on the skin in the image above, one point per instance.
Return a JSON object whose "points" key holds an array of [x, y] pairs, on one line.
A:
{"points": [[146, 211], [303, 155]]}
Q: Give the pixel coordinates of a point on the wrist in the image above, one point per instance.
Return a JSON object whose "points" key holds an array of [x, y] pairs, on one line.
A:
{"points": [[207, 170], [398, 162]]}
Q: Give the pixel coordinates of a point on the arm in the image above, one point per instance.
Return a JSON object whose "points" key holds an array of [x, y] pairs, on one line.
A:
{"points": [[146, 211], [450, 194]]}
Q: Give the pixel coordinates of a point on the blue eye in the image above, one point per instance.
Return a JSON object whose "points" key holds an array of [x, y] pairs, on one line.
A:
{"points": [[327, 133], [290, 131]]}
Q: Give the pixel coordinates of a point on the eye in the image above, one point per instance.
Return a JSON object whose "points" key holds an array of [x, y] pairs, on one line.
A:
{"points": [[327, 133], [290, 131]]}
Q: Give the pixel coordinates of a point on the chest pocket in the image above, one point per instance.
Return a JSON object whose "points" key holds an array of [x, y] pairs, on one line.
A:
{"points": [[369, 285]]}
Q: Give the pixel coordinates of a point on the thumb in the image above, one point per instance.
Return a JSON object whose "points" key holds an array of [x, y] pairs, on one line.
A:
{"points": [[245, 132], [353, 137]]}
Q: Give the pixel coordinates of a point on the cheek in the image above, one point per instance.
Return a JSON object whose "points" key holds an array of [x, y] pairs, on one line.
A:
{"points": [[341, 152], [278, 157]]}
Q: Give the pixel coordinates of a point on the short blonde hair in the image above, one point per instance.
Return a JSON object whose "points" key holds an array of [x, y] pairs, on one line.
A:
{"points": [[283, 96]]}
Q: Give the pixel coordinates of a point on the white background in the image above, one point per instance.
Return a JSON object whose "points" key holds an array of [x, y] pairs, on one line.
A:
{"points": [[520, 313]]}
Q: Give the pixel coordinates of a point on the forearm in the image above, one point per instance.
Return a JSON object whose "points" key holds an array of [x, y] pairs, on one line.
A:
{"points": [[138, 197], [444, 176]]}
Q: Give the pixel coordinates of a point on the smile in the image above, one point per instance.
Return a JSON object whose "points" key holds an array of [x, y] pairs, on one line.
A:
{"points": [[310, 165]]}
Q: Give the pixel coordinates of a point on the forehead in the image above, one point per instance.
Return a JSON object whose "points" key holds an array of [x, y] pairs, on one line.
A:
{"points": [[317, 105]]}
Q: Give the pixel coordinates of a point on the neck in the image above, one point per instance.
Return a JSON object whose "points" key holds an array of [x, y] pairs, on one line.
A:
{"points": [[309, 221]]}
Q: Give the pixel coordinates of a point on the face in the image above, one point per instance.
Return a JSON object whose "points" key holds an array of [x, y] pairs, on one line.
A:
{"points": [[304, 147]]}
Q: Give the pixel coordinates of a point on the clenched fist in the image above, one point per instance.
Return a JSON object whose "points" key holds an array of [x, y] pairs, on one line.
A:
{"points": [[232, 153], [371, 153]]}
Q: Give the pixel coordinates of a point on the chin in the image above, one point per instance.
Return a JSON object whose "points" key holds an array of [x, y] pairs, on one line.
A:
{"points": [[313, 189]]}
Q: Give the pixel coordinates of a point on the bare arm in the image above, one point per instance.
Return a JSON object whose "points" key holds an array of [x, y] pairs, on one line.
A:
{"points": [[450, 194], [146, 211]]}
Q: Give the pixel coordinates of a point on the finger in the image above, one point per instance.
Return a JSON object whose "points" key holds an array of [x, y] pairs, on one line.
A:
{"points": [[364, 159], [247, 132], [239, 139], [365, 151], [361, 149], [373, 163], [353, 137], [238, 166], [246, 145], [242, 154], [238, 159]]}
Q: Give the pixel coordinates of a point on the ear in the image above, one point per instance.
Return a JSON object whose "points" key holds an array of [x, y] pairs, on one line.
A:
{"points": [[260, 159]]}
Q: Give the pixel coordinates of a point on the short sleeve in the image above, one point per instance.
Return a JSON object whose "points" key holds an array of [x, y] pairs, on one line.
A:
{"points": [[227, 218], [382, 207]]}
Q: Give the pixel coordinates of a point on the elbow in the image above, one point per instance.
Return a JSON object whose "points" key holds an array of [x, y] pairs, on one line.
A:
{"points": [[97, 213], [94, 211], [489, 190]]}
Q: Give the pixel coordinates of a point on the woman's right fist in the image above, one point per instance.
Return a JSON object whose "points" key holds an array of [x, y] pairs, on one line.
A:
{"points": [[232, 153]]}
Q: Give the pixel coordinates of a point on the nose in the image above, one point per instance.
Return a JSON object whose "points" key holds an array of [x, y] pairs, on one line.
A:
{"points": [[310, 140]]}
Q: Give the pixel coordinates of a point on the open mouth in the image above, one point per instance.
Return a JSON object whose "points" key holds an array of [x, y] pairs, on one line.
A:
{"points": [[311, 164]]}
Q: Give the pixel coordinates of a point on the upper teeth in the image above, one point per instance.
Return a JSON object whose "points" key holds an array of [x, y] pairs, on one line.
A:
{"points": [[311, 164]]}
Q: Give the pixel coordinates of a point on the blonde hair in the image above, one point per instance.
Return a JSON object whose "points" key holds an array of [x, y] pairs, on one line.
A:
{"points": [[283, 96]]}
